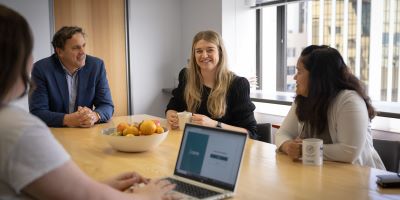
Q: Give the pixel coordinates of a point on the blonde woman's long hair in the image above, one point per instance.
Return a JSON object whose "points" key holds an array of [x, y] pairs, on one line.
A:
{"points": [[216, 104]]}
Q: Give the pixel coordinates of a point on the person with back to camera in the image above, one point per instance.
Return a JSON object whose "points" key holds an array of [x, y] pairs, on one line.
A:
{"points": [[33, 165], [71, 87], [330, 104], [215, 95]]}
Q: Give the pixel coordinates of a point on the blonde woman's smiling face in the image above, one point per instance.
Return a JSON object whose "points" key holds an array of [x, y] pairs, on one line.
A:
{"points": [[207, 55]]}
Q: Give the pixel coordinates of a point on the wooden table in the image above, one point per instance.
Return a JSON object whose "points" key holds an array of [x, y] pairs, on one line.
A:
{"points": [[264, 174]]}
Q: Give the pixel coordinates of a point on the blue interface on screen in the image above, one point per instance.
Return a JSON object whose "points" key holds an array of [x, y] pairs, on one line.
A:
{"points": [[210, 154]]}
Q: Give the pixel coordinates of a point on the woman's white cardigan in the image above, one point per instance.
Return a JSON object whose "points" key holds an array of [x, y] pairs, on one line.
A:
{"points": [[349, 127]]}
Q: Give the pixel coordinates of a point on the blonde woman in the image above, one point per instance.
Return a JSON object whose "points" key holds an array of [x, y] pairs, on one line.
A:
{"points": [[215, 95]]}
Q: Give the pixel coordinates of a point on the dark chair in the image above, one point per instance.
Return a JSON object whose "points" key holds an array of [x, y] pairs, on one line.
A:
{"points": [[264, 132], [389, 151]]}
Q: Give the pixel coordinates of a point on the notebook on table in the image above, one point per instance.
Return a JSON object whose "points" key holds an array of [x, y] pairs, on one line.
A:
{"points": [[208, 162]]}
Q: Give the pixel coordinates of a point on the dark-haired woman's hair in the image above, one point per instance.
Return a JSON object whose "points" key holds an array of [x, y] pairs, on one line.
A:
{"points": [[328, 75], [16, 45]]}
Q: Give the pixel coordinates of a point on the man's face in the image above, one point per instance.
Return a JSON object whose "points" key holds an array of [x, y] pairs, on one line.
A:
{"points": [[73, 55]]}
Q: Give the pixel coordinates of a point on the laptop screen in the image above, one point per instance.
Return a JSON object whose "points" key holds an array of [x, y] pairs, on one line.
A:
{"points": [[210, 155]]}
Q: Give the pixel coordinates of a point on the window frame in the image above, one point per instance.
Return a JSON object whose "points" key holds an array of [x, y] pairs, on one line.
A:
{"points": [[280, 45], [384, 109]]}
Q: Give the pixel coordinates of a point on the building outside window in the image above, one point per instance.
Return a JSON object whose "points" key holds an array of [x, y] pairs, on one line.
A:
{"points": [[366, 32]]}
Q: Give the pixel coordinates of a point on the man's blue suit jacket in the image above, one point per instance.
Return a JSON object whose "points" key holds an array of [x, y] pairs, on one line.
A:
{"points": [[49, 100]]}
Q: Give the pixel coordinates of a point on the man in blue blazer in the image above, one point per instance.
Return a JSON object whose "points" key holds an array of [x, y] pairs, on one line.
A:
{"points": [[71, 88]]}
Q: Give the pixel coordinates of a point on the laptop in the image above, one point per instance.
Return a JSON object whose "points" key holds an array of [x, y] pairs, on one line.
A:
{"points": [[208, 162]]}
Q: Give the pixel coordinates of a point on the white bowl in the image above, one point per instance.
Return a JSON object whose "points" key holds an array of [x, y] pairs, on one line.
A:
{"points": [[134, 143]]}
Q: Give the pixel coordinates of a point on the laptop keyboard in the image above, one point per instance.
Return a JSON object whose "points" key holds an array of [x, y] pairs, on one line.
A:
{"points": [[192, 190]]}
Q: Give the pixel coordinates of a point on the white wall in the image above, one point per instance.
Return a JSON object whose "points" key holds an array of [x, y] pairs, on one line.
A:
{"points": [[232, 19], [37, 14], [199, 16], [239, 34], [155, 47]]}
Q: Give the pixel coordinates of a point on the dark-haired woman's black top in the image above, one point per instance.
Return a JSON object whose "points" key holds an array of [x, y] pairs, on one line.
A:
{"points": [[239, 110]]}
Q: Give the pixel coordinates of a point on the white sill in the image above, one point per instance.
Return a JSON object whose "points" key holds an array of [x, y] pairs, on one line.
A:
{"points": [[378, 123], [384, 109]]}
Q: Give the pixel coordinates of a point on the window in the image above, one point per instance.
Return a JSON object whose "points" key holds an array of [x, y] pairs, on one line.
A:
{"points": [[291, 70], [291, 52], [366, 32]]}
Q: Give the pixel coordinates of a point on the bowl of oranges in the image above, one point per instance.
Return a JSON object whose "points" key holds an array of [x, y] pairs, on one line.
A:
{"points": [[136, 136]]}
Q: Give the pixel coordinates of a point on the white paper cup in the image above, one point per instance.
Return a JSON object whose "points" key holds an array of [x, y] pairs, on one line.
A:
{"points": [[183, 118], [312, 150]]}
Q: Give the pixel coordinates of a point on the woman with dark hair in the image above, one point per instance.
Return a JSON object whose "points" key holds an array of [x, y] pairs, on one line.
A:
{"points": [[330, 104], [32, 163]]}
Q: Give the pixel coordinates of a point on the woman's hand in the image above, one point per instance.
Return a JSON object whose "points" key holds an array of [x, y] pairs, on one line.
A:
{"points": [[123, 181], [156, 190], [172, 119], [292, 148], [203, 120]]}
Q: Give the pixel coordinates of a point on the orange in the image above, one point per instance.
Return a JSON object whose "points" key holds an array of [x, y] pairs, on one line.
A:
{"points": [[130, 130], [135, 130], [135, 124], [159, 129], [148, 127], [122, 126]]}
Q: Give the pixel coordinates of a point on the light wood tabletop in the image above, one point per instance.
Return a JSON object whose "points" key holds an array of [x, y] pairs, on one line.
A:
{"points": [[264, 173]]}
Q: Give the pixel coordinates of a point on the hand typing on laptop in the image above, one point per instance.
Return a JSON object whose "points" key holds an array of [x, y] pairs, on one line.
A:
{"points": [[159, 188], [144, 188], [125, 180]]}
